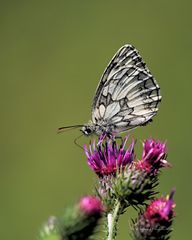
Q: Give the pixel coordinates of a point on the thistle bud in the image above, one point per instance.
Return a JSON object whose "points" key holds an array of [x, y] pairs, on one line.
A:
{"points": [[91, 205], [77, 223]]}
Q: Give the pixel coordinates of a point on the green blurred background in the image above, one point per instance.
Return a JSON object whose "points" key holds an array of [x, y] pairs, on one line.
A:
{"points": [[52, 56]]}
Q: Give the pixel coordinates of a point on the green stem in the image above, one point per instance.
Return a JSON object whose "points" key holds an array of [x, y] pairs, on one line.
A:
{"points": [[112, 219]]}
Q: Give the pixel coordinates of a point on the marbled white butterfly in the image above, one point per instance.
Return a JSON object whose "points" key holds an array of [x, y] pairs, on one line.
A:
{"points": [[127, 96]]}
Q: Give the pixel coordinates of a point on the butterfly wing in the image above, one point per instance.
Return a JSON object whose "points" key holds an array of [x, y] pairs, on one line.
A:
{"points": [[127, 95]]}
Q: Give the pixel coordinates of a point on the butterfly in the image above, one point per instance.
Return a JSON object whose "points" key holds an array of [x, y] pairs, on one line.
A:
{"points": [[127, 96]]}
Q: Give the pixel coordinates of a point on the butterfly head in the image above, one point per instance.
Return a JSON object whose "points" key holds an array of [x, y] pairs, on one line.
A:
{"points": [[88, 129]]}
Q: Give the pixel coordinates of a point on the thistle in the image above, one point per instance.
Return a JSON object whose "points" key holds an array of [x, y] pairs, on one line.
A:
{"points": [[124, 181], [77, 222], [156, 220]]}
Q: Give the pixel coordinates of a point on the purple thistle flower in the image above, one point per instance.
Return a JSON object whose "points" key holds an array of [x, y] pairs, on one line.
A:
{"points": [[153, 157], [108, 157], [155, 222], [153, 150], [160, 209]]}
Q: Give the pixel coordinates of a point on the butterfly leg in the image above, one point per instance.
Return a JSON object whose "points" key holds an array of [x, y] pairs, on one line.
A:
{"points": [[101, 138]]}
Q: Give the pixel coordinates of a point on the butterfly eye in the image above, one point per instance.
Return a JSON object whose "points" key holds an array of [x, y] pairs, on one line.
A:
{"points": [[88, 130]]}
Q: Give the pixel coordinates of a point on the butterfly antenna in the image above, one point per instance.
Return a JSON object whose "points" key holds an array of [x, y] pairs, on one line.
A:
{"points": [[76, 143], [67, 128]]}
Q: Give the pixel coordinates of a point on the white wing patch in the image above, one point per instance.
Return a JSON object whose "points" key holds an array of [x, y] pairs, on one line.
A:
{"points": [[111, 110], [101, 110], [127, 95]]}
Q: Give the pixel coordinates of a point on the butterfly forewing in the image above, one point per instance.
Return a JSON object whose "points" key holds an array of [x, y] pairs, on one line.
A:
{"points": [[127, 95]]}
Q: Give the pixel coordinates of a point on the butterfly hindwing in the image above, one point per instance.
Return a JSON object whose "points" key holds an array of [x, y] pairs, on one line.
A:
{"points": [[127, 95]]}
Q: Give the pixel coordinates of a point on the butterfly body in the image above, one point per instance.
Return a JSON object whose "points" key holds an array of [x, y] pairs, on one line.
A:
{"points": [[99, 128], [127, 95]]}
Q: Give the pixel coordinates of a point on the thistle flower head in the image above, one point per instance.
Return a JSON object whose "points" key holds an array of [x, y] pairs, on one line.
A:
{"points": [[107, 157], [160, 209], [79, 221], [90, 205], [153, 157], [156, 220], [153, 150]]}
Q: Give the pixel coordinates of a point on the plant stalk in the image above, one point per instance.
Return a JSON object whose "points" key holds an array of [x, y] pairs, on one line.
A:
{"points": [[112, 219]]}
